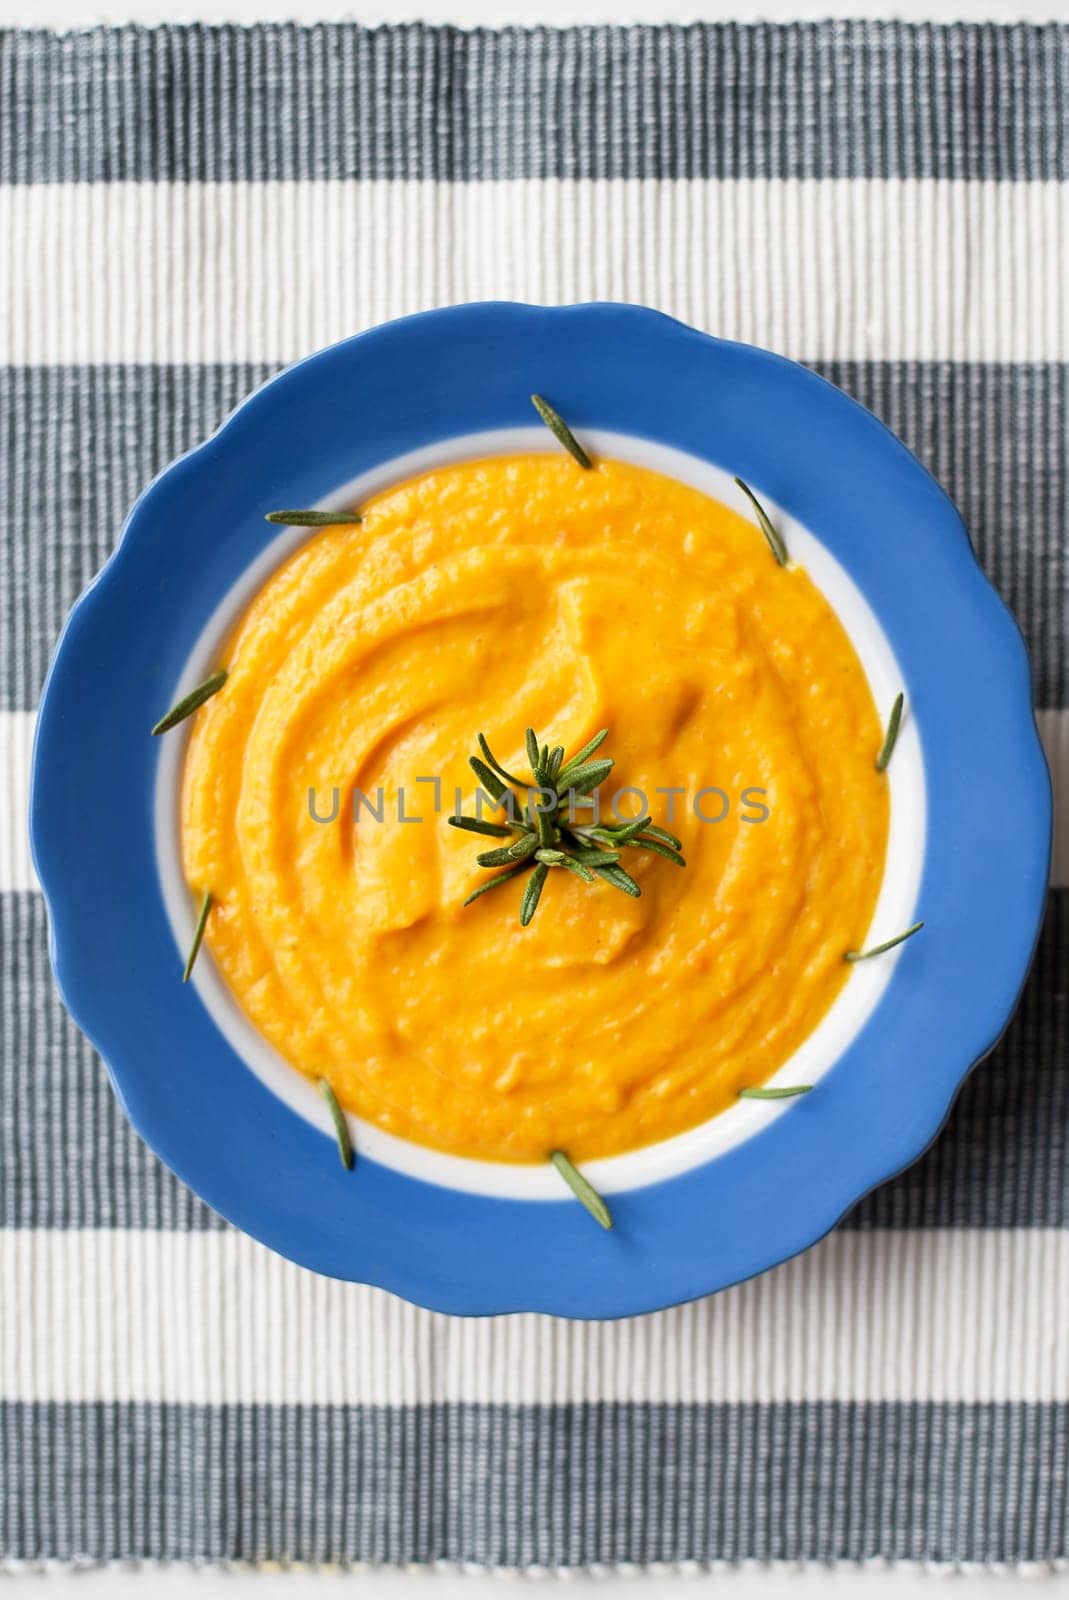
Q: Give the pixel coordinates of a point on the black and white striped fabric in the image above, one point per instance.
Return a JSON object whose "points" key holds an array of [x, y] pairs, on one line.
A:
{"points": [[181, 210]]}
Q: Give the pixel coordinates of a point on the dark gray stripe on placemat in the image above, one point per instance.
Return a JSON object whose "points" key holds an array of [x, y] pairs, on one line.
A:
{"points": [[567, 1486], [68, 1158], [77, 445], [830, 99]]}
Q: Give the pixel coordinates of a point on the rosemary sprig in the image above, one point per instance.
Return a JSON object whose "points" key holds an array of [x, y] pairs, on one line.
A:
{"points": [[774, 537], [198, 937], [492, 761], [489, 780], [341, 1127], [495, 883], [888, 944], [533, 893], [584, 754], [314, 519], [788, 1092], [890, 738], [191, 702], [508, 854], [492, 830], [664, 836], [583, 1189], [534, 755], [620, 880], [560, 430], [542, 834]]}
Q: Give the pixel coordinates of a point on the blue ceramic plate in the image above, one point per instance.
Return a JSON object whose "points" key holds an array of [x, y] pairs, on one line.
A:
{"points": [[968, 853]]}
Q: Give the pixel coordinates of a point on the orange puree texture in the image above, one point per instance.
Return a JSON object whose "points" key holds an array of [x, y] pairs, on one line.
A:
{"points": [[488, 596]]}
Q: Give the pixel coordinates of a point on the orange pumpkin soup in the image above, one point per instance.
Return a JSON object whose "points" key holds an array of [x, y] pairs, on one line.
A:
{"points": [[490, 596]]}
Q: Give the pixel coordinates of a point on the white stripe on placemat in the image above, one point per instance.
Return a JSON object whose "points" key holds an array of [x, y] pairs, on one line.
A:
{"points": [[935, 1314], [16, 746], [818, 269], [16, 743]]}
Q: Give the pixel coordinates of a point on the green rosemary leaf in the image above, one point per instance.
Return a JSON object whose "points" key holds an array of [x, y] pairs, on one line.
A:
{"points": [[664, 836], [597, 769], [495, 883], [525, 846], [620, 880], [533, 893], [583, 1189], [341, 1127], [492, 830], [489, 780], [786, 1093], [552, 858], [587, 751], [314, 519], [191, 702], [585, 779], [553, 766], [575, 866], [629, 830], [890, 738], [658, 849], [492, 761], [888, 944], [198, 937], [560, 430], [544, 823], [533, 753], [504, 857], [775, 539], [600, 858]]}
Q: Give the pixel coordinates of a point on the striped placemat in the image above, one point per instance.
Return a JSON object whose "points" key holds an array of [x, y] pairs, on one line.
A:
{"points": [[181, 210]]}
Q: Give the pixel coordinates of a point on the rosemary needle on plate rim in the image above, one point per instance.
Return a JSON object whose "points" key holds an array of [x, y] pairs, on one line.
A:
{"points": [[560, 430], [314, 519], [888, 944], [787, 1092], [341, 1127], [191, 702], [890, 738], [198, 936], [774, 537], [583, 1189]]}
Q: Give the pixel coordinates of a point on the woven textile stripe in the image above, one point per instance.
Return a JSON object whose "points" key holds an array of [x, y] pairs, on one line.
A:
{"points": [[180, 211], [842, 269], [824, 100], [212, 1318], [560, 1486]]}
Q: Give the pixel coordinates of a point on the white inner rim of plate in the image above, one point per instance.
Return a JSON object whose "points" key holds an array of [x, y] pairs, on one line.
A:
{"points": [[823, 1047]]}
